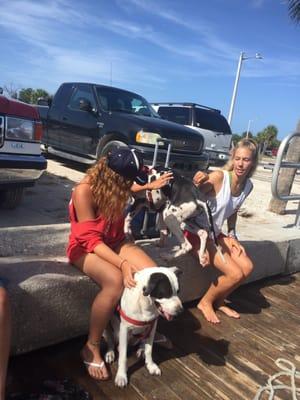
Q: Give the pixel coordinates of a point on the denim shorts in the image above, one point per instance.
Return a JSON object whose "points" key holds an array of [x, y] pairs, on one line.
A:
{"points": [[2, 283]]}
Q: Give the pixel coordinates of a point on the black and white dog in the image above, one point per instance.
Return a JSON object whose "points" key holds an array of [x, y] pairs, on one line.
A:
{"points": [[155, 294], [177, 203]]}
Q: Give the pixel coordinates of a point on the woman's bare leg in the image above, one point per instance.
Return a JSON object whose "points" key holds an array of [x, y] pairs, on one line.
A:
{"points": [[246, 266], [232, 276], [109, 278], [5, 331]]}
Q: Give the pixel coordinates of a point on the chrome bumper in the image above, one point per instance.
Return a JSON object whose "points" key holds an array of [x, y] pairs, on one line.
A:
{"points": [[20, 169]]}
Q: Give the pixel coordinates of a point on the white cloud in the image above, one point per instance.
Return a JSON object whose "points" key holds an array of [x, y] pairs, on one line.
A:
{"points": [[59, 41]]}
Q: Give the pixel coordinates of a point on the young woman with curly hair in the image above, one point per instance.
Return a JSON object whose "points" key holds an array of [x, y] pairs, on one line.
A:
{"points": [[226, 191], [97, 244]]}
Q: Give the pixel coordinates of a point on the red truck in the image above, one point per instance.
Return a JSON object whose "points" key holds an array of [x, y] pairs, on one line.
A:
{"points": [[21, 162]]}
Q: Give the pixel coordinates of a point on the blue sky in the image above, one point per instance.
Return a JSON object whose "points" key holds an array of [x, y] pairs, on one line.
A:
{"points": [[166, 50]]}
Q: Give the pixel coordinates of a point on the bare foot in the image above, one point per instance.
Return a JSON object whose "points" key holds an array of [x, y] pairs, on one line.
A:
{"points": [[93, 362], [208, 312], [229, 311]]}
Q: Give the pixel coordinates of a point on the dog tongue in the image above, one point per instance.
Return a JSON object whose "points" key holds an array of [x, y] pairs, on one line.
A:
{"points": [[168, 316]]}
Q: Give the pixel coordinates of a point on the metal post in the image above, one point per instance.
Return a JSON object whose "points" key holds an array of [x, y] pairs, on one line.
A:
{"points": [[248, 129], [237, 77], [279, 163]]}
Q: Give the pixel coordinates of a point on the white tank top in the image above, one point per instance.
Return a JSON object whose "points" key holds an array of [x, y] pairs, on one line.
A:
{"points": [[224, 204]]}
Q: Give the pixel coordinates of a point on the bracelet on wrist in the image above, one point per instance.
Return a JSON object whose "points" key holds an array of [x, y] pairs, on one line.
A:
{"points": [[232, 234], [122, 263]]}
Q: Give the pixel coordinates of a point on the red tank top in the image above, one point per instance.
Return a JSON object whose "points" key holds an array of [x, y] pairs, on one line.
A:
{"points": [[86, 235]]}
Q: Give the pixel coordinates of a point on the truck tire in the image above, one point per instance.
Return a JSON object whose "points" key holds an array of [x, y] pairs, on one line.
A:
{"points": [[109, 146], [10, 199]]}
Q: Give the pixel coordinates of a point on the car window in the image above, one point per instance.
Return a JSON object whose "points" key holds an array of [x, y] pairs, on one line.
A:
{"points": [[81, 94], [211, 120], [111, 99], [180, 115]]}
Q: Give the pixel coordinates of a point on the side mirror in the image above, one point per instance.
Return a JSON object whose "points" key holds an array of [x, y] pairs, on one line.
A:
{"points": [[85, 105], [42, 101]]}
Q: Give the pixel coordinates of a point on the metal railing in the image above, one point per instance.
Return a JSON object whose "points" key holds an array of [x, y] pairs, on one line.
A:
{"points": [[279, 163]]}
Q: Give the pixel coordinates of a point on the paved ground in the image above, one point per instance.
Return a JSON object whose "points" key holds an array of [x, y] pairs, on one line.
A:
{"points": [[46, 204]]}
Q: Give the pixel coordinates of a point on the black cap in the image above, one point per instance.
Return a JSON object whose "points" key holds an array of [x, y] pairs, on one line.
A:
{"points": [[128, 163]]}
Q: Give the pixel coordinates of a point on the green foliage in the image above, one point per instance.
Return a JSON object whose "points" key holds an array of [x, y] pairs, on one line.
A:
{"points": [[250, 134], [294, 10], [236, 138], [266, 137], [31, 96]]}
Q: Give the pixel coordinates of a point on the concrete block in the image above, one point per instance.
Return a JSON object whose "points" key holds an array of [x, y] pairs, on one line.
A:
{"points": [[34, 240], [51, 300], [293, 257]]}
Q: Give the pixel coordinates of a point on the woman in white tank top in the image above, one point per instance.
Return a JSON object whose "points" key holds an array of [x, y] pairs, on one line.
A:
{"points": [[226, 191]]}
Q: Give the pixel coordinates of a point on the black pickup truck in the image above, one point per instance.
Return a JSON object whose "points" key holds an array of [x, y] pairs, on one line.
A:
{"points": [[84, 121]]}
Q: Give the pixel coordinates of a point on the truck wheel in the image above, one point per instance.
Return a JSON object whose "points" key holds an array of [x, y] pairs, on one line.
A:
{"points": [[11, 198], [114, 144]]}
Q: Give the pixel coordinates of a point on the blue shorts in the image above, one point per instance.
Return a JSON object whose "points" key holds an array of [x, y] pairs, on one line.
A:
{"points": [[2, 283]]}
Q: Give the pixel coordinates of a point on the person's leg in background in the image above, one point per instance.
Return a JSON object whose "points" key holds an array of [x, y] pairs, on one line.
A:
{"points": [[5, 333]]}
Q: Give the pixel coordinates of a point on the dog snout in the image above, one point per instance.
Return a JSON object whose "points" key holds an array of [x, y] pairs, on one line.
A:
{"points": [[179, 309]]}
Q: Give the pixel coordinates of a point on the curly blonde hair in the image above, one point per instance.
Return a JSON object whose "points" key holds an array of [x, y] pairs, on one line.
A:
{"points": [[250, 145], [110, 190]]}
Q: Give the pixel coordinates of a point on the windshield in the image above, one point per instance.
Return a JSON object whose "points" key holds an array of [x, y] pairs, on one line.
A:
{"points": [[112, 99], [180, 115], [211, 121]]}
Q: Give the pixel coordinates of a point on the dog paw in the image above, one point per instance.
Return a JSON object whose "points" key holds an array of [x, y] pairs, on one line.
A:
{"points": [[121, 380], [153, 369], [140, 353], [110, 357], [204, 261]]}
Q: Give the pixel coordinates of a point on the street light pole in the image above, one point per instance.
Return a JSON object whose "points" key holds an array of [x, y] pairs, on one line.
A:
{"points": [[248, 128], [237, 77]]}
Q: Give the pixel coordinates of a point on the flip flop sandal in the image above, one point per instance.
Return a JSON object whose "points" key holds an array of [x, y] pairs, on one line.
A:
{"points": [[96, 365]]}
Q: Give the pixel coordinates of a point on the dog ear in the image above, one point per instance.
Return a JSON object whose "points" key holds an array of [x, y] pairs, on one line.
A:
{"points": [[152, 282], [158, 286], [177, 271]]}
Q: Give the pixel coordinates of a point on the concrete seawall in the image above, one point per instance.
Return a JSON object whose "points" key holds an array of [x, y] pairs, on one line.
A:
{"points": [[51, 299]]}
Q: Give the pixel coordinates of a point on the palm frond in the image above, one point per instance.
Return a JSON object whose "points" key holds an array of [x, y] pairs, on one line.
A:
{"points": [[294, 10]]}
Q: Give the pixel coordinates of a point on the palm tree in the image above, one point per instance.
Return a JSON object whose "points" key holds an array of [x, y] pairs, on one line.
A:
{"points": [[294, 10], [287, 175], [265, 137]]}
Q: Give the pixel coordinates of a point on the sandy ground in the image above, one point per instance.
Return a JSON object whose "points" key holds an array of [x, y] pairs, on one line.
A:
{"points": [[46, 203]]}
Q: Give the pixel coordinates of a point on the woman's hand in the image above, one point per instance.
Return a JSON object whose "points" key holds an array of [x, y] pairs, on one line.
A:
{"points": [[235, 244], [128, 271], [200, 177], [161, 181]]}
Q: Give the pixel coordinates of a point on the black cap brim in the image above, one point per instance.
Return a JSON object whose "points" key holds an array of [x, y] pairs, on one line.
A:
{"points": [[141, 178]]}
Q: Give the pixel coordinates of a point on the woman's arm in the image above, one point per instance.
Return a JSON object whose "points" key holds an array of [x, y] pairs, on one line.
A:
{"points": [[231, 225], [85, 212], [157, 184], [209, 184]]}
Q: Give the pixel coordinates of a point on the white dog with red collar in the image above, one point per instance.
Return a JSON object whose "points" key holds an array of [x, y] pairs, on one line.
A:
{"points": [[155, 294]]}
